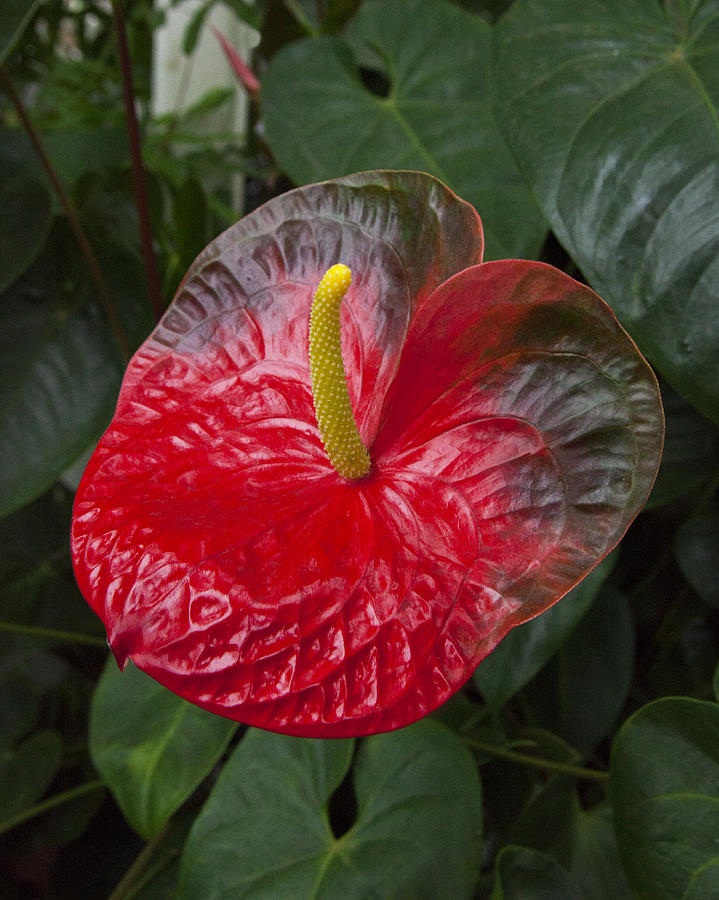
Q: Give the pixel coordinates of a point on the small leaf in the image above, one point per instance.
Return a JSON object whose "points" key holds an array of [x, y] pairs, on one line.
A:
{"points": [[697, 550], [27, 770], [437, 116], [665, 784], [522, 873], [14, 16], [595, 863], [152, 748], [528, 647], [265, 831]]}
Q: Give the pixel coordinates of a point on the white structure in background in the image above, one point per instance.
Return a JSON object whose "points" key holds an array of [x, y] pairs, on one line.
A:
{"points": [[179, 81]]}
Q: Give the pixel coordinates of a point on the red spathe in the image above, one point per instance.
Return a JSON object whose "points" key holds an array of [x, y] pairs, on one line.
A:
{"points": [[514, 431]]}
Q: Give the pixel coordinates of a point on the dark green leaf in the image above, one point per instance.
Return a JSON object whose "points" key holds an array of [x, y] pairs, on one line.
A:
{"points": [[595, 863], [529, 646], [522, 873], [691, 450], [610, 108], [665, 785], [27, 770], [265, 831], [14, 16], [697, 551], [582, 692], [152, 748], [323, 121], [25, 216]]}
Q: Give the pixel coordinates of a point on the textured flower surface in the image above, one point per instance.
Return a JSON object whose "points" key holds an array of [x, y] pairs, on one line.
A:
{"points": [[513, 429]]}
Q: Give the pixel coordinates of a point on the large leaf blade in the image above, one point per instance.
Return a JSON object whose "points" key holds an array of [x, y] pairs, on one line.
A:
{"points": [[616, 130], [665, 784], [323, 121], [265, 831]]}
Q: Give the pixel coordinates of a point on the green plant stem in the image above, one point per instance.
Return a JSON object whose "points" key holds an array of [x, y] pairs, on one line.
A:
{"points": [[84, 245], [154, 288], [130, 880], [53, 634], [58, 800], [537, 762]]}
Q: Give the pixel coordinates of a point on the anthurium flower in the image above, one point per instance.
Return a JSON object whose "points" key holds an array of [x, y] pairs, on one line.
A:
{"points": [[511, 432]]}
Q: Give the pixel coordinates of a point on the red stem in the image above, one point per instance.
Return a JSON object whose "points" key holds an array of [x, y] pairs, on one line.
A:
{"points": [[73, 219], [154, 289]]}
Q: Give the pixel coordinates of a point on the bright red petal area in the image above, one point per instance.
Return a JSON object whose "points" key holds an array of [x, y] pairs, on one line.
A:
{"points": [[210, 532]]}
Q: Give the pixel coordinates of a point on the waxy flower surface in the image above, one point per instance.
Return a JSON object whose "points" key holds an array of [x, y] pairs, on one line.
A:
{"points": [[513, 432]]}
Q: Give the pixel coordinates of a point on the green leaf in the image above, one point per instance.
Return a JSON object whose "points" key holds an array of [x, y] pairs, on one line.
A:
{"points": [[14, 16], [691, 450], [595, 864], [265, 830], [522, 873], [27, 770], [152, 748], [610, 109], [697, 550], [529, 646], [583, 691], [665, 785], [323, 121], [25, 216]]}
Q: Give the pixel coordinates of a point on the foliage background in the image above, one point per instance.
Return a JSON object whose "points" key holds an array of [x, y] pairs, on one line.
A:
{"points": [[583, 759]]}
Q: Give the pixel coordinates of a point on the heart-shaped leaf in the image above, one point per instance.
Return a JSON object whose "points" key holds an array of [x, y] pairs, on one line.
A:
{"points": [[151, 747], [265, 831], [514, 433], [610, 108], [665, 785], [322, 120], [27, 770]]}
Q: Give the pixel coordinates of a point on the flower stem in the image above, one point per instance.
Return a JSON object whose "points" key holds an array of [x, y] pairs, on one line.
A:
{"points": [[132, 880], [537, 762], [39, 808], [86, 249], [154, 288], [53, 634]]}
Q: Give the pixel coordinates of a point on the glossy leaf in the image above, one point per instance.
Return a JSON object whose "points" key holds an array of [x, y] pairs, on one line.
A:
{"points": [[14, 16], [665, 784], [151, 747], [616, 130], [265, 833], [323, 120], [697, 551], [514, 433], [526, 649]]}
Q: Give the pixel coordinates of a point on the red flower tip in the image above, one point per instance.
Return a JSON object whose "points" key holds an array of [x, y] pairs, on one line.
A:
{"points": [[514, 430], [244, 73]]}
